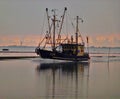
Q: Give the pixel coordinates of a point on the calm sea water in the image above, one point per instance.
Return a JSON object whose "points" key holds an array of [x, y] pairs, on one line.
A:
{"points": [[49, 79]]}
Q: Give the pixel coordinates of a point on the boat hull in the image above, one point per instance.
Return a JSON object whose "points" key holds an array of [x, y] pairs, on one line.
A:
{"points": [[61, 56]]}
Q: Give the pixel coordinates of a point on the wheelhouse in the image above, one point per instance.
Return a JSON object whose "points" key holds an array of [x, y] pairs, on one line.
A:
{"points": [[73, 49]]}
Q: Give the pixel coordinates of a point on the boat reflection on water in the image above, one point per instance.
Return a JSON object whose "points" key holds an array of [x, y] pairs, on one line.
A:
{"points": [[65, 66], [65, 79]]}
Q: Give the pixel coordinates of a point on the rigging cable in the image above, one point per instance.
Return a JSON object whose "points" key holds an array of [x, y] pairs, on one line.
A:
{"points": [[40, 42], [72, 23], [79, 30]]}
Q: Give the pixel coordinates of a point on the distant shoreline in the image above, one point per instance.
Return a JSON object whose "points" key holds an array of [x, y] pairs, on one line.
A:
{"points": [[36, 46], [34, 52], [16, 46], [16, 57], [17, 52]]}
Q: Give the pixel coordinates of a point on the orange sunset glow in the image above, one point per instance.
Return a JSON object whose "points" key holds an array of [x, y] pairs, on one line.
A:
{"points": [[28, 40], [111, 40]]}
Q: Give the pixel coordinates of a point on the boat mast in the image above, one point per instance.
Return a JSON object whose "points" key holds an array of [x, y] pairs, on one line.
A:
{"points": [[62, 20], [77, 18], [48, 20], [54, 20], [76, 36], [49, 27]]}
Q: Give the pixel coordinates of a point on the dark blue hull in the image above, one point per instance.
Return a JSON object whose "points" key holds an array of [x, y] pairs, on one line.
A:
{"points": [[61, 56]]}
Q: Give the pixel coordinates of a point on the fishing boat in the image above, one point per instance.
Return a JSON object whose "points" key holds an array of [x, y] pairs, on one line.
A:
{"points": [[61, 49]]}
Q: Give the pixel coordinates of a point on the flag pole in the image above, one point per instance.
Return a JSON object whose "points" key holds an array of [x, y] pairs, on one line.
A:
{"points": [[87, 44]]}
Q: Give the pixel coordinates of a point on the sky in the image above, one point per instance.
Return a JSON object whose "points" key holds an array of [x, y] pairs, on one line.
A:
{"points": [[22, 20]]}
